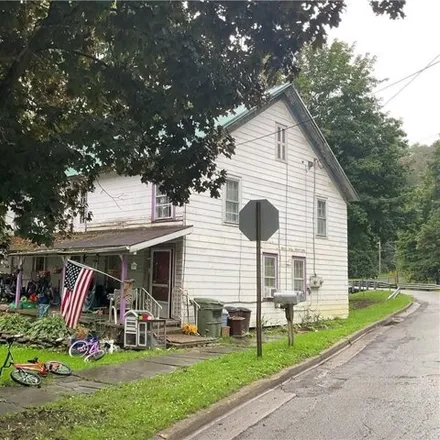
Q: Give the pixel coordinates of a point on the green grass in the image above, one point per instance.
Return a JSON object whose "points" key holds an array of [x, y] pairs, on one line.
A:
{"points": [[22, 354], [139, 409]]}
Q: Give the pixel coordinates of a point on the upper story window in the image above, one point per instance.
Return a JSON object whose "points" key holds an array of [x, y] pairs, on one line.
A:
{"points": [[83, 207], [270, 273], [163, 208], [39, 264], [232, 200], [321, 220], [281, 142], [299, 274]]}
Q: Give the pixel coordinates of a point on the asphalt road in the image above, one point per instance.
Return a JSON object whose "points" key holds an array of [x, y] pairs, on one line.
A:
{"points": [[386, 386]]}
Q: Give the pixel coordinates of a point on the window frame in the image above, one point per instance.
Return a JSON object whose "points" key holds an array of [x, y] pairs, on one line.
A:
{"points": [[83, 207], [283, 144], [44, 259], [318, 218], [267, 255], [225, 200], [154, 206], [304, 280]]}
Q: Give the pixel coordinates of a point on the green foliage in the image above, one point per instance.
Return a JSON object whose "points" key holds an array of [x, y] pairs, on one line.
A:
{"points": [[181, 393], [135, 87], [51, 327], [337, 85], [14, 324], [418, 245]]}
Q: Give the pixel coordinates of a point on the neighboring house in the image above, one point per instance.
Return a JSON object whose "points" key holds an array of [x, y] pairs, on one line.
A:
{"points": [[198, 249]]}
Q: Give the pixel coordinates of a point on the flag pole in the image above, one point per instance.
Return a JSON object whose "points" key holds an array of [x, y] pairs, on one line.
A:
{"points": [[95, 270]]}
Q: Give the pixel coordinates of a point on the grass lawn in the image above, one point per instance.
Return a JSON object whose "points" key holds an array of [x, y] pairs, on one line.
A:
{"points": [[22, 354], [139, 409]]}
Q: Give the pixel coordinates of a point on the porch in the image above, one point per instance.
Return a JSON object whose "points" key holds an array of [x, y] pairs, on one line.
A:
{"points": [[150, 257]]}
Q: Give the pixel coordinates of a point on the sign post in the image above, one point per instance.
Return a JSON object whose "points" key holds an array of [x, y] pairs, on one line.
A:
{"points": [[259, 220]]}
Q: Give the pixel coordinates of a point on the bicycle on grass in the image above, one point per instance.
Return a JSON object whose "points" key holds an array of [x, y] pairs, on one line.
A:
{"points": [[28, 374], [89, 349]]}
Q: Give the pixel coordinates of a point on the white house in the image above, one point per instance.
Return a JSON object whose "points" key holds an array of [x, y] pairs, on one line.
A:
{"points": [[198, 249]]}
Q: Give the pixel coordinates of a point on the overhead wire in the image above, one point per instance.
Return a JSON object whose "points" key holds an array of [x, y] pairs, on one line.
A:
{"points": [[413, 75], [412, 80]]}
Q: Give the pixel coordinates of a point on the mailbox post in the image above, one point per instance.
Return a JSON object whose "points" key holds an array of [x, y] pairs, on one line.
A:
{"points": [[288, 299]]}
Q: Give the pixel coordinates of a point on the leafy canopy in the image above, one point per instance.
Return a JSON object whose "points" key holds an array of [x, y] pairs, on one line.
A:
{"points": [[135, 87], [419, 242], [338, 87]]}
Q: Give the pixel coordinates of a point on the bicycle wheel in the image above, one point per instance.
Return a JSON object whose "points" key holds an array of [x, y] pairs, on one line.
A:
{"points": [[95, 356], [79, 348], [25, 378], [59, 368]]}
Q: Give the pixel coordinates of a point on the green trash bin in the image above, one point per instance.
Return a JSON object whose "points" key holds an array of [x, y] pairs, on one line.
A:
{"points": [[209, 317]]}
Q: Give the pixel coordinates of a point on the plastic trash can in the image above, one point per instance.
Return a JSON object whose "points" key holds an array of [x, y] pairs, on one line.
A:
{"points": [[239, 312], [209, 317], [237, 326], [246, 314]]}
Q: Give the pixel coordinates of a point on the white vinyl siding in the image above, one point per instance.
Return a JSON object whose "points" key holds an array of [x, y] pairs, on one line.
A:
{"points": [[232, 200], [281, 142], [321, 217], [163, 206], [299, 274]]}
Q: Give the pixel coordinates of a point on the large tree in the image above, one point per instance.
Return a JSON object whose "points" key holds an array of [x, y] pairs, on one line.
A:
{"points": [[338, 87], [419, 242], [135, 87]]}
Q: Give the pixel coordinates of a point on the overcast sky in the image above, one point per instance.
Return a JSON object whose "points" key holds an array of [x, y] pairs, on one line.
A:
{"points": [[402, 47]]}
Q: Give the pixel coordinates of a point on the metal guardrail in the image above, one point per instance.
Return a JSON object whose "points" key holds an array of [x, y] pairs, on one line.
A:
{"points": [[361, 285]]}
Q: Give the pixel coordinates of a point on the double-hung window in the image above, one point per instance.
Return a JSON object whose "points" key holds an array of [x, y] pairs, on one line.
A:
{"points": [[232, 200], [299, 274], [281, 142], [270, 273], [321, 220], [163, 208]]}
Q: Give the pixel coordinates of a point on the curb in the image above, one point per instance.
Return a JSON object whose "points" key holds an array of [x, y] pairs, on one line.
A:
{"points": [[193, 423]]}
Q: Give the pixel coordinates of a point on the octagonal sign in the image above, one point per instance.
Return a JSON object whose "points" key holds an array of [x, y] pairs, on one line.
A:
{"points": [[269, 220]]}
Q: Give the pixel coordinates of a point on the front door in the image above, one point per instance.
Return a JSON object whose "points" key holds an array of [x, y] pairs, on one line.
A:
{"points": [[160, 285]]}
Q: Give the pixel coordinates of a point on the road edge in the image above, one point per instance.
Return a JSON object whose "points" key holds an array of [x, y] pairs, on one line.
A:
{"points": [[194, 422]]}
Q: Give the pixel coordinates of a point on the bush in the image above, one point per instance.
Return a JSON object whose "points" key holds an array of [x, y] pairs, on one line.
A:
{"points": [[51, 328], [13, 323]]}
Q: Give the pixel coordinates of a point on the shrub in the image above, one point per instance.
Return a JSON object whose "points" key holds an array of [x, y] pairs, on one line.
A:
{"points": [[52, 327], [13, 323]]}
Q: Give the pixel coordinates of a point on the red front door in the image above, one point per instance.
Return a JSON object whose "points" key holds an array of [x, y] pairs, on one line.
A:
{"points": [[160, 288]]}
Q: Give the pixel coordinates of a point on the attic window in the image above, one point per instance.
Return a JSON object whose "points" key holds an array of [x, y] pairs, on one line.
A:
{"points": [[281, 142]]}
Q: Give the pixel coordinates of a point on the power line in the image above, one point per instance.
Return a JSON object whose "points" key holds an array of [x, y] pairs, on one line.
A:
{"points": [[412, 80], [414, 76], [406, 77]]}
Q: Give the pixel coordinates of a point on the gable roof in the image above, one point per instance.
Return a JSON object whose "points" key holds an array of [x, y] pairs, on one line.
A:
{"points": [[306, 124]]}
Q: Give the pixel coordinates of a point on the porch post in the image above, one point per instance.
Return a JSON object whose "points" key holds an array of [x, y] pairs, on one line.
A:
{"points": [[124, 269], [63, 277], [19, 282]]}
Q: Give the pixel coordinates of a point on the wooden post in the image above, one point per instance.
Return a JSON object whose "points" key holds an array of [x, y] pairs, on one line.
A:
{"points": [[19, 283], [124, 268]]}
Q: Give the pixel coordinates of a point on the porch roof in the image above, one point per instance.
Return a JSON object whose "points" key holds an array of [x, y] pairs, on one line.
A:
{"points": [[108, 241]]}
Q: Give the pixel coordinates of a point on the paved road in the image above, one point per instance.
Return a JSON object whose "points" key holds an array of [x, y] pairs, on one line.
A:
{"points": [[386, 386]]}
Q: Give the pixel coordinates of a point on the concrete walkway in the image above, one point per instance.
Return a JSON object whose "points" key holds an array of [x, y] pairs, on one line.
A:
{"points": [[17, 398]]}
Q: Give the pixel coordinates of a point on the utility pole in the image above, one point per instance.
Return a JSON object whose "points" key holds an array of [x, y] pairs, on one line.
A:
{"points": [[380, 257]]}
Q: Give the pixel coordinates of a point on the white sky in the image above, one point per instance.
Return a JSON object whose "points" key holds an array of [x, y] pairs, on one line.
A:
{"points": [[402, 47]]}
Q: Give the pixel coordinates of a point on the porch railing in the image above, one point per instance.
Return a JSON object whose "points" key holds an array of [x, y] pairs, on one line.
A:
{"points": [[144, 301]]}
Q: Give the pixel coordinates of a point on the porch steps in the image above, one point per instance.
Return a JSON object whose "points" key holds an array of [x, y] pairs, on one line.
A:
{"points": [[173, 327]]}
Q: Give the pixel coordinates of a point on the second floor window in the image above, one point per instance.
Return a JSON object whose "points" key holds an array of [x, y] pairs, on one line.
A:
{"points": [[281, 142], [232, 200], [321, 218], [83, 207], [163, 206]]}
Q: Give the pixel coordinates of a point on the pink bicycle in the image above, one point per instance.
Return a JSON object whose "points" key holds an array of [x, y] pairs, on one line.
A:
{"points": [[89, 349]]}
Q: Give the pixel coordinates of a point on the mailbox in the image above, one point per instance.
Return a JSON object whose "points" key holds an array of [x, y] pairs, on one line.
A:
{"points": [[289, 297]]}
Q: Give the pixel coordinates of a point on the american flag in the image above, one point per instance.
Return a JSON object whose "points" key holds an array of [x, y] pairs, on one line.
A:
{"points": [[76, 284]]}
